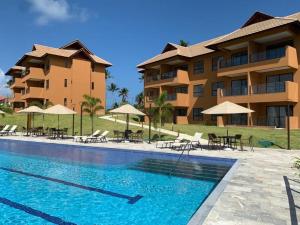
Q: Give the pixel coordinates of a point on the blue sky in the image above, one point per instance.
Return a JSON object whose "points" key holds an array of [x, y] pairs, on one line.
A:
{"points": [[122, 32]]}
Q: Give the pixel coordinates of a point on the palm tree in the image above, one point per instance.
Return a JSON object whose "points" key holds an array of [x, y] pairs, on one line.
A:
{"points": [[91, 106], [113, 88], [108, 74], [139, 99], [162, 111], [123, 93], [183, 43]]}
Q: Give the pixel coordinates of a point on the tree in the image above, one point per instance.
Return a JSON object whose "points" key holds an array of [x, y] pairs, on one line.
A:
{"points": [[113, 89], [183, 43], [91, 106], [108, 74], [139, 100], [123, 93], [162, 111]]}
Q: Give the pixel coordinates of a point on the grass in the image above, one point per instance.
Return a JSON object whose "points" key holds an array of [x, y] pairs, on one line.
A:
{"points": [[278, 136], [66, 121]]}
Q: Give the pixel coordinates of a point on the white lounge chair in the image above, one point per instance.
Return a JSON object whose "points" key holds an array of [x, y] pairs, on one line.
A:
{"points": [[82, 138], [12, 130], [167, 144], [4, 130], [192, 143], [102, 137]]}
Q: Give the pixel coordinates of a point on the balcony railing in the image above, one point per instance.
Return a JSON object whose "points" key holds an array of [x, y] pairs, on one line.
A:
{"points": [[267, 55], [235, 91], [272, 87], [163, 76], [233, 62]]}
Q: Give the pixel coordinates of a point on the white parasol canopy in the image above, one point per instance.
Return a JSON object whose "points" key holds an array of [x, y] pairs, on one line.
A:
{"points": [[227, 108], [127, 109], [32, 109]]}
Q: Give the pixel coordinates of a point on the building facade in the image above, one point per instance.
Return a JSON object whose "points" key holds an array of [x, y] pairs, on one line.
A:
{"points": [[255, 66], [59, 75]]}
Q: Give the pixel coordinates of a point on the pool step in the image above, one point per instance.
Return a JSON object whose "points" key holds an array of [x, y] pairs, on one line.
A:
{"points": [[182, 169]]}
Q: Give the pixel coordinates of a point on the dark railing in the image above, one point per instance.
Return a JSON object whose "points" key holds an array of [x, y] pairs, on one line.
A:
{"points": [[278, 122], [272, 87], [235, 91], [237, 61], [163, 76], [267, 55]]}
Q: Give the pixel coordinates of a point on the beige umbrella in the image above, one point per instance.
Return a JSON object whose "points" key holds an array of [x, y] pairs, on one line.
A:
{"points": [[127, 109], [31, 110], [59, 110], [227, 108]]}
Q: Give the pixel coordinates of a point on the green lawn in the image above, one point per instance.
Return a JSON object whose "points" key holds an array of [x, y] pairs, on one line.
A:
{"points": [[278, 136], [66, 121]]}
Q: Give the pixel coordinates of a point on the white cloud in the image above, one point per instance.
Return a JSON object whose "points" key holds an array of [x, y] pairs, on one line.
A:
{"points": [[56, 10], [4, 90]]}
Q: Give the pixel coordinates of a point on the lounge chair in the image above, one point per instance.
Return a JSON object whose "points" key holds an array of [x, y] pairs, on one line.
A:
{"points": [[137, 136], [83, 138], [167, 144], [118, 136], [12, 130], [4, 130], [214, 141], [236, 140], [102, 137], [193, 143]]}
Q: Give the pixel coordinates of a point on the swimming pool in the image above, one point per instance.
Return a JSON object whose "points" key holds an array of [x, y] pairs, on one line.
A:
{"points": [[64, 184]]}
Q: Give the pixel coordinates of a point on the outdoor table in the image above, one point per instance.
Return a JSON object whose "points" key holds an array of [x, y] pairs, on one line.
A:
{"points": [[227, 140]]}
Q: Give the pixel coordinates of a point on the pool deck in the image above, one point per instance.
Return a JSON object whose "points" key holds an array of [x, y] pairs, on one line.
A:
{"points": [[264, 190]]}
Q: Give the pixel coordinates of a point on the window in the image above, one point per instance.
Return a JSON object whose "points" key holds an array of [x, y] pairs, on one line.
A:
{"points": [[215, 86], [276, 83], [93, 86], [180, 112], [239, 87], [93, 67], [65, 101], [47, 84], [239, 58], [197, 115], [47, 65], [198, 90], [199, 67], [213, 118], [238, 119], [66, 63], [66, 83], [214, 62], [181, 89]]}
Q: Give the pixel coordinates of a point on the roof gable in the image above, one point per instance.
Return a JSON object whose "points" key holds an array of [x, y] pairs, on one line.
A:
{"points": [[76, 45], [169, 47], [256, 18]]}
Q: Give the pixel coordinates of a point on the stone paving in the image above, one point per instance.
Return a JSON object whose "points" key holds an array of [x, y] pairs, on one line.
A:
{"points": [[257, 193]]}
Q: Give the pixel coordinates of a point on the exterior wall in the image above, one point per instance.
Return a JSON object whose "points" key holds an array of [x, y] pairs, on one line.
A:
{"points": [[255, 74], [79, 75]]}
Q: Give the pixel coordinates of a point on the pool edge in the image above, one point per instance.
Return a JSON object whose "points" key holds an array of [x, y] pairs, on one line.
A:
{"points": [[201, 214]]}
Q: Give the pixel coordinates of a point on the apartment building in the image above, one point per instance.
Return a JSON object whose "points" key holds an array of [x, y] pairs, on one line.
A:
{"points": [[255, 66], [59, 75]]}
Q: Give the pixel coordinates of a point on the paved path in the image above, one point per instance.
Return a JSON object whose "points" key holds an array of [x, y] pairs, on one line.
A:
{"points": [[263, 191]]}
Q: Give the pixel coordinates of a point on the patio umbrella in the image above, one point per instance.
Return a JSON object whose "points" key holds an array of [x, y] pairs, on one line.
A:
{"points": [[127, 109], [227, 108], [30, 111], [59, 110]]}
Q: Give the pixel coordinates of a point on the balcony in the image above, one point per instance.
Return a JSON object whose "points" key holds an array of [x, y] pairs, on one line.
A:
{"points": [[33, 92], [178, 99], [34, 74], [277, 59], [17, 83], [262, 93], [17, 97], [171, 78]]}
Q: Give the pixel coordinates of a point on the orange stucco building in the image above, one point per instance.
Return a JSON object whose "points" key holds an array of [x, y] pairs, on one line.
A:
{"points": [[255, 66], [59, 75]]}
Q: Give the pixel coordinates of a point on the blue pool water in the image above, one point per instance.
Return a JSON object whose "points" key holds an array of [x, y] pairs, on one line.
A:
{"points": [[64, 184]]}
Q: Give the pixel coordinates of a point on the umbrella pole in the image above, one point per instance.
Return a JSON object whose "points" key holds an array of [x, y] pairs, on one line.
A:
{"points": [[127, 121], [57, 121]]}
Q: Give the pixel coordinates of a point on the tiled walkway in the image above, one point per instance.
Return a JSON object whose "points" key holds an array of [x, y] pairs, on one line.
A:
{"points": [[264, 190]]}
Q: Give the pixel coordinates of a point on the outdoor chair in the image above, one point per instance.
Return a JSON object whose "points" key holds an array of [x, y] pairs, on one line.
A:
{"points": [[87, 138], [12, 130], [193, 143], [167, 144], [137, 136], [237, 140], [103, 137], [214, 141], [4, 130], [64, 132], [118, 136], [249, 143]]}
